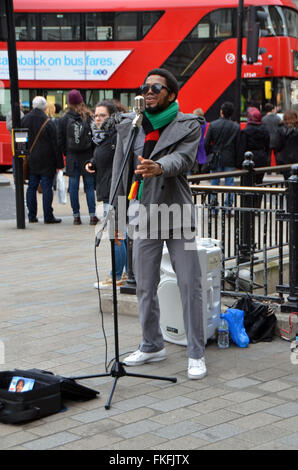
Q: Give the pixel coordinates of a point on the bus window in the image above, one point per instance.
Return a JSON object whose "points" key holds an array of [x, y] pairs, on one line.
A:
{"points": [[5, 105], [252, 91], [99, 26], [60, 27], [25, 26], [277, 23], [126, 27], [283, 94], [217, 24], [291, 17], [120, 26]]}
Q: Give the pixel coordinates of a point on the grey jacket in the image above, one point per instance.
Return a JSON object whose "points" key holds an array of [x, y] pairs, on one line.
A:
{"points": [[176, 151]]}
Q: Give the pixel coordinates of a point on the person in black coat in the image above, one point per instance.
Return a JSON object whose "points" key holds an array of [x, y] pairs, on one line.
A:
{"points": [[256, 139], [105, 137], [75, 141], [44, 160], [287, 140], [223, 137], [271, 121]]}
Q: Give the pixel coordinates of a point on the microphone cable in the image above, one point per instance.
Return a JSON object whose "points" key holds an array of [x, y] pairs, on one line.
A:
{"points": [[107, 365], [100, 309]]}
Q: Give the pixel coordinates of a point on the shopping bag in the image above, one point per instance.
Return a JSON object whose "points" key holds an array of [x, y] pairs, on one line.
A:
{"points": [[60, 188]]}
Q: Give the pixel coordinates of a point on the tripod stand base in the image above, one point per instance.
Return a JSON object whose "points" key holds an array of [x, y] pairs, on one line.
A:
{"points": [[118, 371]]}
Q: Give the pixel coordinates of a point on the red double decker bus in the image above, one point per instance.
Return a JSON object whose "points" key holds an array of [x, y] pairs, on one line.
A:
{"points": [[105, 49]]}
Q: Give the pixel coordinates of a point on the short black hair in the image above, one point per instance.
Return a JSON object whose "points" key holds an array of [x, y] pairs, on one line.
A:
{"points": [[170, 78], [268, 107], [227, 109]]}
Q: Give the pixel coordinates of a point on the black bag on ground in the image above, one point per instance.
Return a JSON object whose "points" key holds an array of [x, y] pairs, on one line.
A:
{"points": [[45, 398], [259, 319]]}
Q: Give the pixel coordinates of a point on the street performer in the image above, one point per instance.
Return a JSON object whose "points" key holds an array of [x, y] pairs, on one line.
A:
{"points": [[164, 151]]}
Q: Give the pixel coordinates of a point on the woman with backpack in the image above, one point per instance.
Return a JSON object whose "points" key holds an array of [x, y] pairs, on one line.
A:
{"points": [[75, 141]]}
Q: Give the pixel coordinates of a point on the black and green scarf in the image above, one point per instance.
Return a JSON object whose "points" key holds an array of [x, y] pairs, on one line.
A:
{"points": [[153, 125]]}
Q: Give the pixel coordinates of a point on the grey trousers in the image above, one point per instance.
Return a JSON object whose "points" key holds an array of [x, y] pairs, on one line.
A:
{"points": [[147, 256]]}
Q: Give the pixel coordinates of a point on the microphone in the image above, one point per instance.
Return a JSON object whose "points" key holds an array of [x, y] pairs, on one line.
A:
{"points": [[139, 108], [139, 104]]}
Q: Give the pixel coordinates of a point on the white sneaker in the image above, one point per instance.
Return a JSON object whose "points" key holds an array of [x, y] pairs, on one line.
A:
{"points": [[196, 368], [108, 284], [138, 357]]}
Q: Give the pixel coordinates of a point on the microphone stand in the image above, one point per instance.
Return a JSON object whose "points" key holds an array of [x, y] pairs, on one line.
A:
{"points": [[118, 369]]}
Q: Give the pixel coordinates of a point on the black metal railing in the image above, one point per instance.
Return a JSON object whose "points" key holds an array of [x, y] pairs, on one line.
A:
{"points": [[253, 231]]}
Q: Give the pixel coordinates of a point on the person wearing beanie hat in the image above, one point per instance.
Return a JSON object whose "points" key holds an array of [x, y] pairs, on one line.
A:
{"points": [[75, 141], [164, 152], [75, 97]]}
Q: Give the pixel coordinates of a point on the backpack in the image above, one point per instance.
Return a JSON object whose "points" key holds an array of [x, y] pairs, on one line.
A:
{"points": [[78, 134], [259, 319]]}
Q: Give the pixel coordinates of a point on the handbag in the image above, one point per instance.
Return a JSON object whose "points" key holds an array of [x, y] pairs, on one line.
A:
{"points": [[212, 159], [26, 158], [25, 168]]}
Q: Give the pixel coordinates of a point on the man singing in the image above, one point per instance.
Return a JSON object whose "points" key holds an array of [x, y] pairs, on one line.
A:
{"points": [[163, 153]]}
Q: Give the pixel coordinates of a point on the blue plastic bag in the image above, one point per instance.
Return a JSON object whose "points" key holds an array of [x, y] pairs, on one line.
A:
{"points": [[235, 319]]}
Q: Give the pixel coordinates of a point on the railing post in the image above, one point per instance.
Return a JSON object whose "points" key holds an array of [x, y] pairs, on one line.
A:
{"points": [[247, 219], [291, 304]]}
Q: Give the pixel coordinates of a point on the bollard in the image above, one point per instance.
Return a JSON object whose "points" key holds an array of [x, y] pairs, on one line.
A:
{"points": [[291, 305], [247, 219]]}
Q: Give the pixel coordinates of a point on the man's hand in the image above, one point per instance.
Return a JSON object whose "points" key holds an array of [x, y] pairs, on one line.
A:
{"points": [[118, 237], [89, 167], [148, 168]]}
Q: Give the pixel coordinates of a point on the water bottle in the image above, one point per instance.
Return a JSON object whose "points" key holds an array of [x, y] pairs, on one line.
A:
{"points": [[223, 333]]}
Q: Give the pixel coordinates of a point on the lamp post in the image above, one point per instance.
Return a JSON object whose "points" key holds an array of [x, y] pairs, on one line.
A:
{"points": [[239, 59], [15, 109]]}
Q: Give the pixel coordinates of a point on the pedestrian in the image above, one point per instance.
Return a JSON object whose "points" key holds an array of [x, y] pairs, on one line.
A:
{"points": [[163, 153], [201, 155], [75, 141], [255, 138], [105, 136], [287, 140], [44, 160], [222, 139], [271, 121]]}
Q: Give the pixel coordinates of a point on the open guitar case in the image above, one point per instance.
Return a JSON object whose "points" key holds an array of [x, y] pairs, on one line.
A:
{"points": [[46, 397]]}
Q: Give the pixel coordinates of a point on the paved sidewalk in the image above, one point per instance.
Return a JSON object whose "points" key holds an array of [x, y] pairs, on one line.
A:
{"points": [[50, 320]]}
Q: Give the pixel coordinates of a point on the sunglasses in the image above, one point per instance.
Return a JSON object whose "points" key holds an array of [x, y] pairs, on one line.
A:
{"points": [[155, 88]]}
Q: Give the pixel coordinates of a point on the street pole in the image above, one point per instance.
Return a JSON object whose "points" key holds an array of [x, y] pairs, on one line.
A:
{"points": [[240, 11], [15, 110]]}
